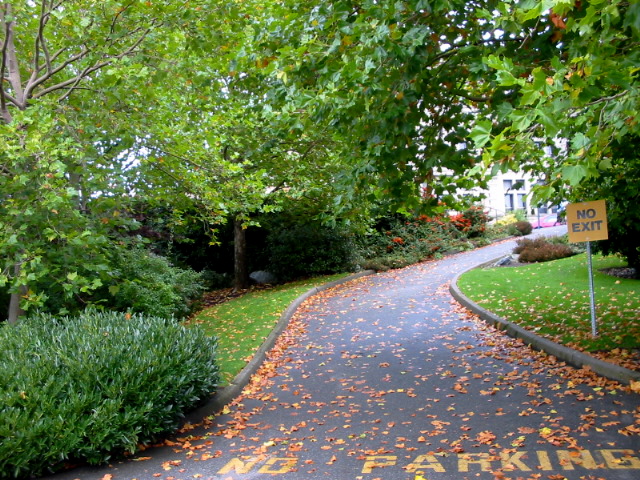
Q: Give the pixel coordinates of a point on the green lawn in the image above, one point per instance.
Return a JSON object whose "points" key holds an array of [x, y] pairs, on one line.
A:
{"points": [[552, 299], [242, 324]]}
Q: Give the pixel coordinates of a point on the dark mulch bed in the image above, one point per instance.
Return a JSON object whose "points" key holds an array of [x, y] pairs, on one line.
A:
{"points": [[620, 272], [217, 297]]}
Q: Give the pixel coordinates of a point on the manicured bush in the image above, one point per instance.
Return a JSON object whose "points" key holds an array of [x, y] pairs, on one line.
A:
{"points": [[93, 386], [541, 250], [497, 231], [523, 227], [149, 284]]}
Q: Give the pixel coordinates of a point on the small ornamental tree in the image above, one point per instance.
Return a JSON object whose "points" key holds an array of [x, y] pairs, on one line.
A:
{"points": [[57, 64], [619, 185], [576, 96]]}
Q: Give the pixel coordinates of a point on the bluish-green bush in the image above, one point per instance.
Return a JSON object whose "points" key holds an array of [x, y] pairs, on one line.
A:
{"points": [[93, 386]]}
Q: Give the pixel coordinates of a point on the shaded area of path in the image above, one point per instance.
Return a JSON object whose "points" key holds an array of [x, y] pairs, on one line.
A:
{"points": [[386, 377]]}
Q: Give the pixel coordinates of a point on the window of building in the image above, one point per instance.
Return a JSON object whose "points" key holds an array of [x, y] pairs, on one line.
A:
{"points": [[508, 202]]}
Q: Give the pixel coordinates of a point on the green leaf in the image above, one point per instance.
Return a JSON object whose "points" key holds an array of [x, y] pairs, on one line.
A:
{"points": [[481, 133], [632, 18], [521, 120], [574, 174]]}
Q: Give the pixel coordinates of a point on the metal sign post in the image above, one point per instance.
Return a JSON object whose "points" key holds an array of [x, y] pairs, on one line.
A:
{"points": [[592, 295], [587, 221]]}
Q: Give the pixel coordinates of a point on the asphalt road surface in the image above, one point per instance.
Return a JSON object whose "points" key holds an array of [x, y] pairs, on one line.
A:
{"points": [[386, 377]]}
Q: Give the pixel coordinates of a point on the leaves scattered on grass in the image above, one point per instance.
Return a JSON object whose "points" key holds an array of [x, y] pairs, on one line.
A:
{"points": [[552, 300]]}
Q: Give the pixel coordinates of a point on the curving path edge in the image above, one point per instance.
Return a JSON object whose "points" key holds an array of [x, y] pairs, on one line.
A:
{"points": [[572, 357], [226, 395]]}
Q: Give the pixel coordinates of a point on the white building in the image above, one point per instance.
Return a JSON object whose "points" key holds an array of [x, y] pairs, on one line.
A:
{"points": [[511, 191]]}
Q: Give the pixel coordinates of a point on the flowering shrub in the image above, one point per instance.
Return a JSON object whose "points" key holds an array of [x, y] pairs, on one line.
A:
{"points": [[401, 242], [461, 223], [508, 219], [472, 222]]}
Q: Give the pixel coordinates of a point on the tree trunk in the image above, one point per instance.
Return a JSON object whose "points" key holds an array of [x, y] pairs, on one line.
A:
{"points": [[14, 303], [241, 273]]}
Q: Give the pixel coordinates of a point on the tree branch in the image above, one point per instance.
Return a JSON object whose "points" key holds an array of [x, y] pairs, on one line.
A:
{"points": [[73, 82], [9, 65], [3, 65], [50, 72], [608, 99], [46, 70], [184, 159], [471, 98], [40, 44]]}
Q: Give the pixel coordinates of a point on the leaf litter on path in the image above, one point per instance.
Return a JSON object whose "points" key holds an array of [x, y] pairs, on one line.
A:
{"points": [[388, 374]]}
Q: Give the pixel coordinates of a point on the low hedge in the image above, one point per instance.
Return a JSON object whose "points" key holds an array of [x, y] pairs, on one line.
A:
{"points": [[87, 388], [541, 250]]}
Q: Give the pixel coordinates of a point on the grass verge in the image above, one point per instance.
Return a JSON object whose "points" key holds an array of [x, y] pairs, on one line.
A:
{"points": [[242, 324], [552, 300]]}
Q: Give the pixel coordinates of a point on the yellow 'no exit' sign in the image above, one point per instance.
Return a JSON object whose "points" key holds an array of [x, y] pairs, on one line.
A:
{"points": [[587, 221]]}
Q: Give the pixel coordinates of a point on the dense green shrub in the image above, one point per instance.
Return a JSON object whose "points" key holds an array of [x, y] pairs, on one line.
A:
{"points": [[379, 264], [89, 387], [541, 250], [497, 231], [149, 284], [307, 250], [215, 281]]}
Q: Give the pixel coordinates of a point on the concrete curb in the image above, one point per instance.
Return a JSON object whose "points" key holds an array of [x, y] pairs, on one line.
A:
{"points": [[227, 394], [569, 355]]}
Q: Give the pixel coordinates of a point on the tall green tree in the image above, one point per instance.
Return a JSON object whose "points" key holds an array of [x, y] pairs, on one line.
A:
{"points": [[240, 150], [75, 76], [620, 186], [401, 82]]}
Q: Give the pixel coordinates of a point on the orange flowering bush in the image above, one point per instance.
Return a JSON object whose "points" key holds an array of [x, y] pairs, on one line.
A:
{"points": [[401, 241]]}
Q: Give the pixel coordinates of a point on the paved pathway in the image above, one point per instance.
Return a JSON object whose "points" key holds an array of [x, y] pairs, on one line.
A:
{"points": [[387, 378]]}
